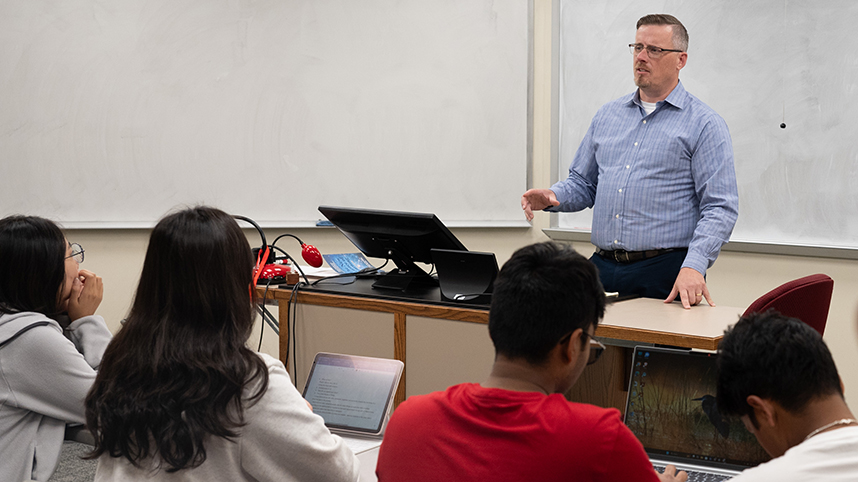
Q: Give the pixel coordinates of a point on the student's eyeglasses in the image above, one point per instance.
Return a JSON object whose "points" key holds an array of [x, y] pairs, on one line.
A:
{"points": [[652, 52], [77, 252], [595, 351]]}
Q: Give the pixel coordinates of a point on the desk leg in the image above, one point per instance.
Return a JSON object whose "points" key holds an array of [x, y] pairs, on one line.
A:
{"points": [[399, 354]]}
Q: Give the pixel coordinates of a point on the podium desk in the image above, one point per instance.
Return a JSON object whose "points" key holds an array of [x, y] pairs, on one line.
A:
{"points": [[444, 343]]}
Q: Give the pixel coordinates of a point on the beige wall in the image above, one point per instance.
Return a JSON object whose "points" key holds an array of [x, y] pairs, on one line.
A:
{"points": [[735, 280]]}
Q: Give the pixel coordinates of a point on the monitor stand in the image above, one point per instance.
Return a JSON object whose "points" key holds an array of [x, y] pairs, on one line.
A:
{"points": [[403, 280]]}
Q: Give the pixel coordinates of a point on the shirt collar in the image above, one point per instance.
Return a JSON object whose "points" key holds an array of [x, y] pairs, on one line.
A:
{"points": [[677, 98]]}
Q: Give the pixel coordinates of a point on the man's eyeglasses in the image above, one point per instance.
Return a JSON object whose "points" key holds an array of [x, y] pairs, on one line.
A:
{"points": [[595, 351], [77, 252], [652, 52]]}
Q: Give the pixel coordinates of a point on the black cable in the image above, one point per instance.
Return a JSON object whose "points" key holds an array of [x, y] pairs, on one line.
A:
{"points": [[293, 262], [259, 230], [261, 330], [292, 323], [371, 269], [268, 317], [278, 238], [263, 311]]}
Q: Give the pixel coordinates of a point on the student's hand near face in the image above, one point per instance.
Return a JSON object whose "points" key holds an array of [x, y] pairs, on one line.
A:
{"points": [[87, 291], [672, 475]]}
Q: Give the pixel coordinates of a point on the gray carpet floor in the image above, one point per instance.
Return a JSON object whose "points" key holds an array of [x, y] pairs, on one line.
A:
{"points": [[72, 468]]}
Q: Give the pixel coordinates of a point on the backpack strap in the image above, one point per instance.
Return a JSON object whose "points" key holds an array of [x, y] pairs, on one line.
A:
{"points": [[24, 330]]}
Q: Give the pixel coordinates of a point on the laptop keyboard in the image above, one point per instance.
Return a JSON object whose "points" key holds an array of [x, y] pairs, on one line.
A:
{"points": [[695, 476]]}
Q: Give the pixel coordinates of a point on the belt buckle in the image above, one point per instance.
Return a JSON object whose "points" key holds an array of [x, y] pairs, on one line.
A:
{"points": [[620, 254]]}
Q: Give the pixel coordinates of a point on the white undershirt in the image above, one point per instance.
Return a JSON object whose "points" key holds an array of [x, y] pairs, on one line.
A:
{"points": [[648, 107]]}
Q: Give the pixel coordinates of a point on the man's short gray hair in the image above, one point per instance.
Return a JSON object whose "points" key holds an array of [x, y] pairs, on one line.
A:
{"points": [[680, 35]]}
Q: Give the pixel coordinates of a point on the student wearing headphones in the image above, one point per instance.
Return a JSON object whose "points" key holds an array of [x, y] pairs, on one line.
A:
{"points": [[51, 343], [179, 395]]}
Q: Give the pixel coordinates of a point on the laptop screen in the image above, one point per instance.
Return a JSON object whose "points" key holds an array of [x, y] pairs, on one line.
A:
{"points": [[671, 409], [352, 393]]}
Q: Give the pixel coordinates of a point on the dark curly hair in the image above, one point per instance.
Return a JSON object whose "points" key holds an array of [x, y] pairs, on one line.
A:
{"points": [[175, 373], [775, 357]]}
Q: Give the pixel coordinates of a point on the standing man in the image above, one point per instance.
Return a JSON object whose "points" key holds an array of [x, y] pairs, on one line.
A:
{"points": [[517, 425], [778, 375], [657, 168]]}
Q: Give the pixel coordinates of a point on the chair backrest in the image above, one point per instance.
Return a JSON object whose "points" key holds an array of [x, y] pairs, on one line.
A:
{"points": [[807, 299]]}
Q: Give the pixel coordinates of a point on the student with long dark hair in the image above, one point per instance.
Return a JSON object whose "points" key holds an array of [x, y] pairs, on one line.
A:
{"points": [[180, 397], [51, 342]]}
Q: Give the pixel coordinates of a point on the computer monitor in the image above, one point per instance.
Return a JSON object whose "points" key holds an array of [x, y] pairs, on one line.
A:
{"points": [[403, 237]]}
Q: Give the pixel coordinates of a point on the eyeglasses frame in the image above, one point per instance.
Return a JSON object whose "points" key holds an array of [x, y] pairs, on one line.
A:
{"points": [[75, 253], [651, 52], [599, 349]]}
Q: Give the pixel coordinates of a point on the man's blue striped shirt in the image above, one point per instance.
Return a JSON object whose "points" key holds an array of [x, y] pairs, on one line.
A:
{"points": [[664, 180]]}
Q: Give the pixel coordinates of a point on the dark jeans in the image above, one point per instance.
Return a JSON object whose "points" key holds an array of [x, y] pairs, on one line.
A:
{"points": [[650, 278]]}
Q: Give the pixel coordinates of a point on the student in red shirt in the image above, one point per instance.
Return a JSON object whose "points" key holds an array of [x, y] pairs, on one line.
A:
{"points": [[517, 425]]}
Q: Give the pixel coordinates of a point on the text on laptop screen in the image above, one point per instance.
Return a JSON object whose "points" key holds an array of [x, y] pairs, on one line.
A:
{"points": [[671, 409], [351, 392]]}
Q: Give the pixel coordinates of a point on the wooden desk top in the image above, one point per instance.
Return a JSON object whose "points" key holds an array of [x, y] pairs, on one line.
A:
{"points": [[642, 320], [653, 321]]}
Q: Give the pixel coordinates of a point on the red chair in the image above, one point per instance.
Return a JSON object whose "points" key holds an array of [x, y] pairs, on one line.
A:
{"points": [[807, 299]]}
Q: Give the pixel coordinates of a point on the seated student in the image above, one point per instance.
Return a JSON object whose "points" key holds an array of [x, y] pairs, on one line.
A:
{"points": [[778, 375], [180, 397], [517, 425], [50, 343]]}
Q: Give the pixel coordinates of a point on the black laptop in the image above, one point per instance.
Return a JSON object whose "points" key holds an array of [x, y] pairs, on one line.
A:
{"points": [[671, 409]]}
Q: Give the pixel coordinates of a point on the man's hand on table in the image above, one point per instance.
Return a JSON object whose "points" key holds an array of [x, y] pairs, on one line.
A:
{"points": [[691, 288]]}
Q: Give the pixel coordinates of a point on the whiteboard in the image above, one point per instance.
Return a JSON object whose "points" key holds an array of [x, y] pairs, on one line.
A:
{"points": [[758, 64], [113, 113]]}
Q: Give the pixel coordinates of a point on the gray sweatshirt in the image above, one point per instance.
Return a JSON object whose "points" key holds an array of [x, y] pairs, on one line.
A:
{"points": [[282, 441], [45, 374]]}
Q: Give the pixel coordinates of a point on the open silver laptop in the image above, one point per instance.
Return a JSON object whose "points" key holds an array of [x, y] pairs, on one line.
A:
{"points": [[354, 394], [671, 409]]}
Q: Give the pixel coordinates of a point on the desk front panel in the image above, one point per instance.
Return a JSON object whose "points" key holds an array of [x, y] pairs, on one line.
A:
{"points": [[339, 330], [442, 353]]}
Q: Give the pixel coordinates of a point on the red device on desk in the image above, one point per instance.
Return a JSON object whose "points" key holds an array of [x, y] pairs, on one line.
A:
{"points": [[270, 272], [276, 273], [273, 273]]}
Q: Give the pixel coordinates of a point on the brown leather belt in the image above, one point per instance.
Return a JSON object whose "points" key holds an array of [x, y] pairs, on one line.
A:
{"points": [[623, 256]]}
